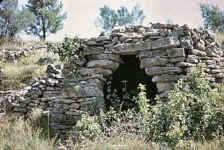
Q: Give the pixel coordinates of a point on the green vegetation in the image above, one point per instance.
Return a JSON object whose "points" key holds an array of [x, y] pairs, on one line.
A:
{"points": [[109, 17], [48, 17], [69, 53], [68, 50]]}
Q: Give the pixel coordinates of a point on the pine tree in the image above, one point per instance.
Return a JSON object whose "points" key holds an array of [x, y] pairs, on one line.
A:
{"points": [[109, 17], [49, 18], [213, 17], [13, 19]]}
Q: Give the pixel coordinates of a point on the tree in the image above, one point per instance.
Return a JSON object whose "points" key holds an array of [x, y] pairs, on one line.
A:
{"points": [[213, 17], [109, 17], [49, 18], [13, 19]]}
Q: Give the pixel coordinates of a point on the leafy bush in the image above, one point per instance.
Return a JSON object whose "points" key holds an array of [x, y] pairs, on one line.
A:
{"points": [[68, 50], [194, 111]]}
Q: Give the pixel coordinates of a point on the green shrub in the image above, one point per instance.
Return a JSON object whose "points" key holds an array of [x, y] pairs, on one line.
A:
{"points": [[194, 111], [68, 50]]}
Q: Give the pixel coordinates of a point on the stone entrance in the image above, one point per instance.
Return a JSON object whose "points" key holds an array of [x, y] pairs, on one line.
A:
{"points": [[123, 83]]}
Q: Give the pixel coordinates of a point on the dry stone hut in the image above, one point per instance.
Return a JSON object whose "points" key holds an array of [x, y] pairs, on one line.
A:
{"points": [[157, 55]]}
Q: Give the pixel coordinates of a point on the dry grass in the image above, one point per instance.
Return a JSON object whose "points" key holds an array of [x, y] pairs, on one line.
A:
{"points": [[119, 143], [116, 143], [17, 134], [19, 73], [18, 44]]}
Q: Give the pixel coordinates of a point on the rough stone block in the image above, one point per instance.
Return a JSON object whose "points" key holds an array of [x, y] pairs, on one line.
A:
{"points": [[185, 64], [113, 57], [176, 52], [73, 92], [133, 48], [162, 70], [177, 59], [192, 59], [106, 64], [91, 71], [95, 76], [164, 86], [169, 42], [93, 50], [167, 78], [103, 38], [156, 61], [197, 52], [93, 91], [73, 113], [146, 54], [74, 106]]}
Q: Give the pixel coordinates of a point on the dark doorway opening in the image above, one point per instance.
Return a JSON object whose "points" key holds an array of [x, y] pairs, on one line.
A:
{"points": [[123, 85]]}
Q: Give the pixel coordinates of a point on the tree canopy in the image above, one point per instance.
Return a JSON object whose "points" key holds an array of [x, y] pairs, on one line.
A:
{"points": [[109, 17], [213, 17], [13, 19], [49, 17]]}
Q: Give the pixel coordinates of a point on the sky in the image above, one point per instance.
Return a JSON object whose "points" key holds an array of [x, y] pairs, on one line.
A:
{"points": [[83, 13]]}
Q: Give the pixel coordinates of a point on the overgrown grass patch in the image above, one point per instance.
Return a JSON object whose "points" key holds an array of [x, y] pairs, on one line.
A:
{"points": [[18, 44], [116, 143], [17, 134], [19, 73]]}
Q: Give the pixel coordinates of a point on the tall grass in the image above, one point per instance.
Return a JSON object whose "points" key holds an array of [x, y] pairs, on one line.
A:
{"points": [[19, 73], [17, 44], [17, 134]]}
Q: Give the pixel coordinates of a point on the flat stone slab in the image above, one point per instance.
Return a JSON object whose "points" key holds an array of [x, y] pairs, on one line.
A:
{"points": [[93, 50], [176, 52], [92, 71], [134, 48], [113, 57], [164, 86], [169, 42], [106, 64], [162, 70], [167, 78], [152, 62]]}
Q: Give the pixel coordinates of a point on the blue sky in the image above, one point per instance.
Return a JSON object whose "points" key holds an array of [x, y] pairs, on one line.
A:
{"points": [[82, 13]]}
